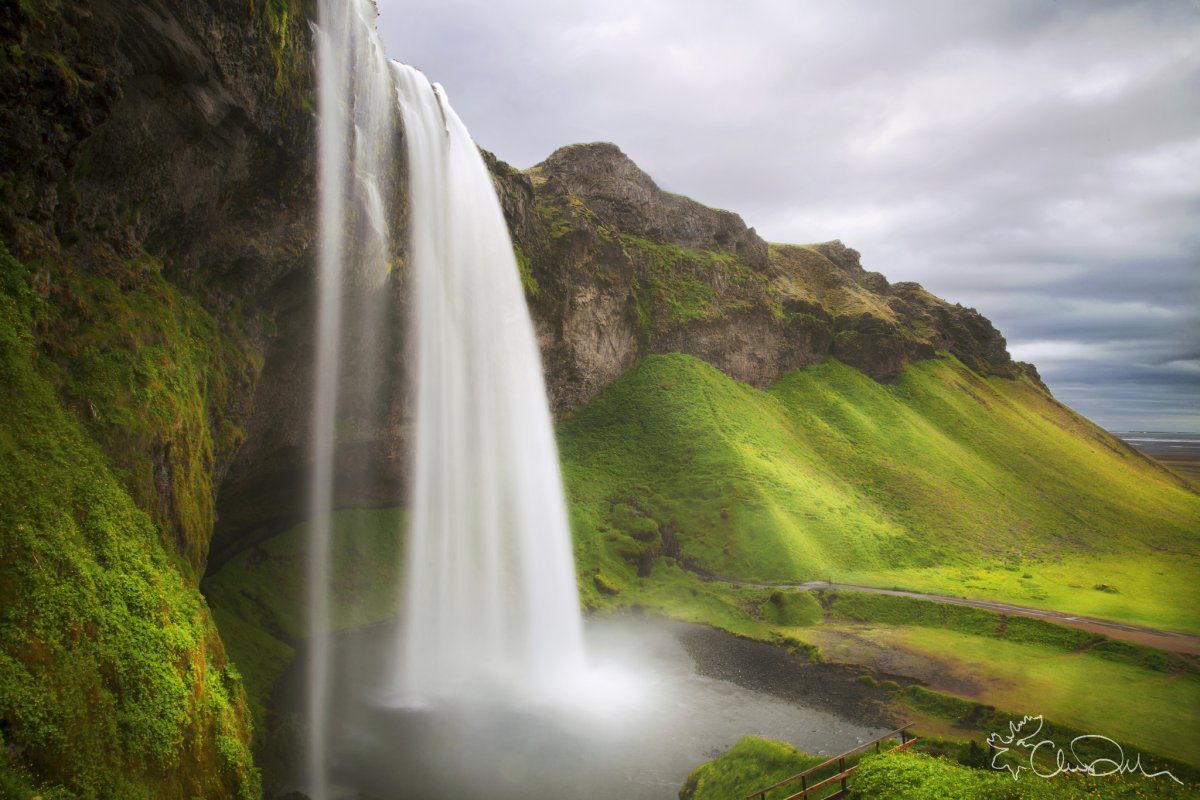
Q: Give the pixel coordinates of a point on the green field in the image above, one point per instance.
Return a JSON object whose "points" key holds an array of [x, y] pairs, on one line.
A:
{"points": [[1154, 710]]}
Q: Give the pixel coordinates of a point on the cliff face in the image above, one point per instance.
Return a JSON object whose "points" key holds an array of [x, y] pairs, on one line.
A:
{"points": [[154, 212], [619, 268]]}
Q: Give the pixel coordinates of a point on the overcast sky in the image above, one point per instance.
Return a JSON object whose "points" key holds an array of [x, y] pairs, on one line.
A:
{"points": [[1037, 160]]}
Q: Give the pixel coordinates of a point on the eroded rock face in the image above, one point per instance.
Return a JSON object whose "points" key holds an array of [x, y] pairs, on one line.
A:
{"points": [[620, 268], [176, 131]]}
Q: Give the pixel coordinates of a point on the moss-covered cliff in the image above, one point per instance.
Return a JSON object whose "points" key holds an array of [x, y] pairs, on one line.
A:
{"points": [[153, 201]]}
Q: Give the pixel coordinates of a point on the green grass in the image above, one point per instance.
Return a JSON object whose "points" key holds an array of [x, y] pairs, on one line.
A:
{"points": [[829, 474], [916, 776], [113, 681], [907, 611], [258, 597], [1082, 681], [1131, 703], [1159, 589], [753, 763]]}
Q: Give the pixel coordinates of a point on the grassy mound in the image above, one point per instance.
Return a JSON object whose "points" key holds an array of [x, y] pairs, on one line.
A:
{"points": [[750, 764]]}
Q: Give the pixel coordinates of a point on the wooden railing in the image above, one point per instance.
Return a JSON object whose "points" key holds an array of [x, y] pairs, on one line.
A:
{"points": [[843, 772]]}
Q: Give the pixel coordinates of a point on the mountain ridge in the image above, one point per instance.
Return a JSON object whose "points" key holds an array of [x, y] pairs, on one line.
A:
{"points": [[619, 268]]}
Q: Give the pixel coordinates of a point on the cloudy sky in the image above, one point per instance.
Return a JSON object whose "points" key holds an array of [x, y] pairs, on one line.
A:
{"points": [[1037, 160]]}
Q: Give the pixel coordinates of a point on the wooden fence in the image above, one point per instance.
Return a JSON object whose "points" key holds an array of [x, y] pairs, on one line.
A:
{"points": [[810, 783]]}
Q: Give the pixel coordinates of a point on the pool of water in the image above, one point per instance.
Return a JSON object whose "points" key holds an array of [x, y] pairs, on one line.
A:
{"points": [[656, 710]]}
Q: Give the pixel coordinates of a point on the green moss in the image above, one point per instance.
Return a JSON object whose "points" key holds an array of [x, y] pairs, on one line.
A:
{"points": [[146, 369], [750, 764], [675, 285], [113, 681], [526, 271], [284, 24], [916, 776], [556, 222]]}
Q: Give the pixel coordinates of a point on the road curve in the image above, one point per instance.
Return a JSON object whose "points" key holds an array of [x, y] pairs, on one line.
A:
{"points": [[1154, 637]]}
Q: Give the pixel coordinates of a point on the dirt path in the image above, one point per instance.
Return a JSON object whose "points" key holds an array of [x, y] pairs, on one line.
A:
{"points": [[1153, 637]]}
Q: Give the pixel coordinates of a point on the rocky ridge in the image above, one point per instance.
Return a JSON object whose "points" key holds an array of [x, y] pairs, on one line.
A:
{"points": [[619, 268]]}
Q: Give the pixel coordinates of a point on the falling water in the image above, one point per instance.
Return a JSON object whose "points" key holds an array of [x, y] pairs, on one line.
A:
{"points": [[356, 127], [489, 590], [489, 600]]}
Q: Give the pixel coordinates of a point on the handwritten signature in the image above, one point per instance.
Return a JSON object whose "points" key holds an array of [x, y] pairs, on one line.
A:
{"points": [[1047, 759]]}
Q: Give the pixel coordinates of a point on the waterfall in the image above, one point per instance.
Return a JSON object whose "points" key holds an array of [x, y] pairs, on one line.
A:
{"points": [[489, 588], [356, 118], [489, 601]]}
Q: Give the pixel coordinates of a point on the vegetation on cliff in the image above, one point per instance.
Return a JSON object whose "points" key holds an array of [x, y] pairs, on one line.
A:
{"points": [[113, 680], [142, 196], [154, 193]]}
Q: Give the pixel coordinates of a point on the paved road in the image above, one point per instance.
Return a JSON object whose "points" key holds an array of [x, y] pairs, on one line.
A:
{"points": [[1164, 640]]}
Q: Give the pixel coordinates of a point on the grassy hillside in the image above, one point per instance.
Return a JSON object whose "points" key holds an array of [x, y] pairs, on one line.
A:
{"points": [[943, 481]]}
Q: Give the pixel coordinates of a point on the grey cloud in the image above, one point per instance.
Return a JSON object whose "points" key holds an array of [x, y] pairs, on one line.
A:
{"points": [[1036, 160]]}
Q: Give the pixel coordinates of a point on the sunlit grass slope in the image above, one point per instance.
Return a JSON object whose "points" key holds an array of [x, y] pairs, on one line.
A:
{"points": [[944, 481]]}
